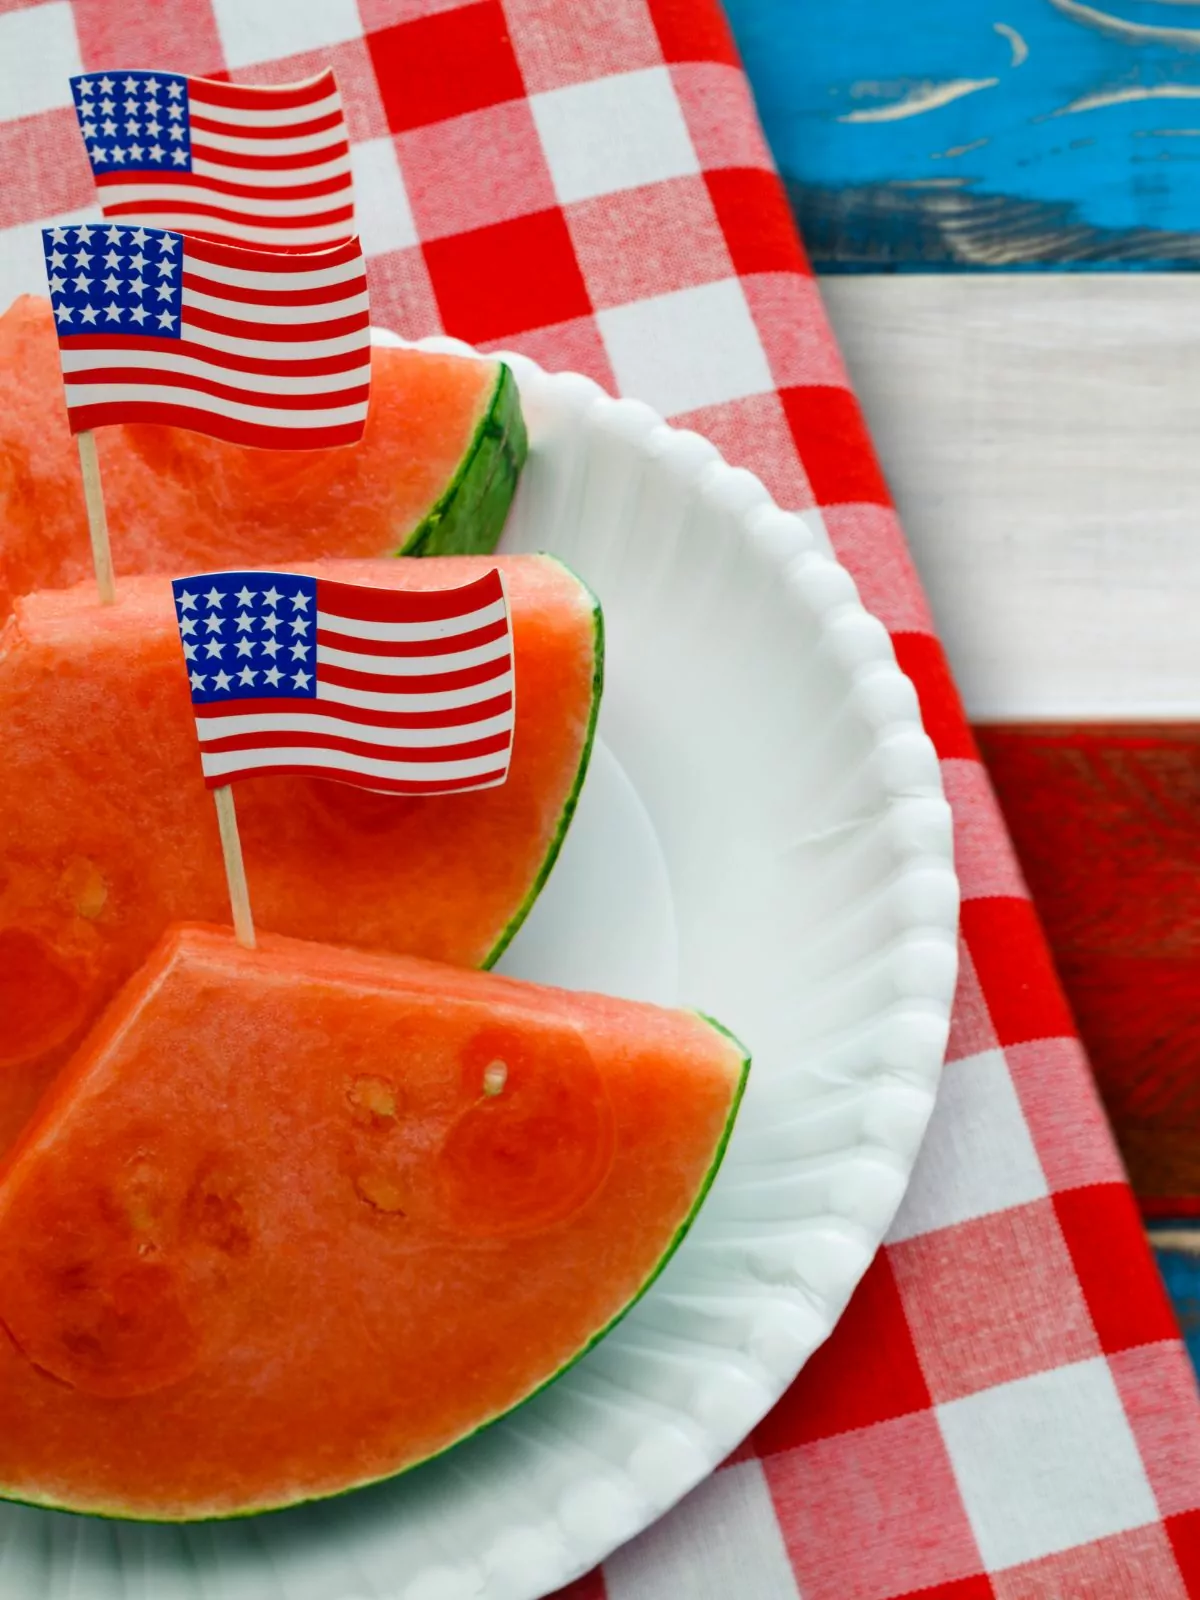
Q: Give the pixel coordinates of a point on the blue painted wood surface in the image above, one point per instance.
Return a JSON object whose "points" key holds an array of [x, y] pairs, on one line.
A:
{"points": [[936, 134], [1181, 1274]]}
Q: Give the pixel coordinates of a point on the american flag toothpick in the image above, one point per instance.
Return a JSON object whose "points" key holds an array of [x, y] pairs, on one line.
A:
{"points": [[252, 346], [256, 347], [252, 165], [403, 691]]}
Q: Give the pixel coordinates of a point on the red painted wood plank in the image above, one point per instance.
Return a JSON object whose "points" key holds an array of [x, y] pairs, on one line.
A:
{"points": [[1106, 822]]}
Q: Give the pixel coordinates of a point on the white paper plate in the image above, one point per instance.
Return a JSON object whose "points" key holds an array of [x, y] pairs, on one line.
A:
{"points": [[763, 834]]}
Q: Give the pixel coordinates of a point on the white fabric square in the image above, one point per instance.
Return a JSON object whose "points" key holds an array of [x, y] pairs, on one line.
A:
{"points": [[385, 220], [1046, 1463], [39, 49], [696, 347], [722, 1541], [22, 260], [261, 30], [978, 1155], [613, 133]]}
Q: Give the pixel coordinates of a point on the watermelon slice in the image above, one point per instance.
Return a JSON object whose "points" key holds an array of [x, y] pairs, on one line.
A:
{"points": [[297, 1219], [433, 475], [107, 833]]}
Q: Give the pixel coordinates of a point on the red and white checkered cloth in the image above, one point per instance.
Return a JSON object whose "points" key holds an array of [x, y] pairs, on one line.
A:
{"points": [[1005, 1410]]}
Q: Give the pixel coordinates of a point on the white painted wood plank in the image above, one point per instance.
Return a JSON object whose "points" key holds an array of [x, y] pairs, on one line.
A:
{"points": [[1041, 435]]}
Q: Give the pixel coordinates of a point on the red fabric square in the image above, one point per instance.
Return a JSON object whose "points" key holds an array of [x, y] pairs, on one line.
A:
{"points": [[575, 346], [468, 172], [1158, 1390], [743, 1452], [1184, 1534], [753, 433], [1019, 983], [351, 61], [921, 656], [869, 543], [589, 1587], [180, 37], [402, 295], [832, 440], [971, 1031], [867, 1372], [1138, 1565], [978, 1587], [720, 116], [983, 854], [45, 169], [992, 1300], [1059, 1100], [891, 1494], [691, 32], [647, 241], [444, 65], [754, 215], [497, 281], [1124, 1292], [599, 40], [795, 334]]}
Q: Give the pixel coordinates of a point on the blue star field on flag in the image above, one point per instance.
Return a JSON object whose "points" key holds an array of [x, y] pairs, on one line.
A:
{"points": [[137, 120], [105, 278], [248, 635]]}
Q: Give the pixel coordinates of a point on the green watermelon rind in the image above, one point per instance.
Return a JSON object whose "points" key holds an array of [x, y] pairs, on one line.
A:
{"points": [[468, 517], [572, 800], [673, 1244]]}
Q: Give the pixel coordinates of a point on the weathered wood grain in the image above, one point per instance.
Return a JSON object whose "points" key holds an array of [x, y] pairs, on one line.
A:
{"points": [[1177, 1252], [1106, 821], [1040, 436], [958, 134]]}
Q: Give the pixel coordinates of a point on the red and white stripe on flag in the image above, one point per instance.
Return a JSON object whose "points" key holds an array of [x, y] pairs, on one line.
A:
{"points": [[259, 347], [402, 691], [254, 165]]}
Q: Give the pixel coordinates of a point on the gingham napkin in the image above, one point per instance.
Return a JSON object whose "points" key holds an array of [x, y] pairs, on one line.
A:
{"points": [[1005, 1409]]}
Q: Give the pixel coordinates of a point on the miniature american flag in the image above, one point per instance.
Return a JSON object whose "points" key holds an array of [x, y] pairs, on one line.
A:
{"points": [[265, 166], [406, 691], [254, 346]]}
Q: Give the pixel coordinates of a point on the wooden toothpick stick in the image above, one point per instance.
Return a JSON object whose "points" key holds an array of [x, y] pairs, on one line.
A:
{"points": [[93, 497], [235, 867]]}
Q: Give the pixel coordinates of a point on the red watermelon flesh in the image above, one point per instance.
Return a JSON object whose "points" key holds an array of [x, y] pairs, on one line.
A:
{"points": [[434, 474], [107, 834], [296, 1219]]}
